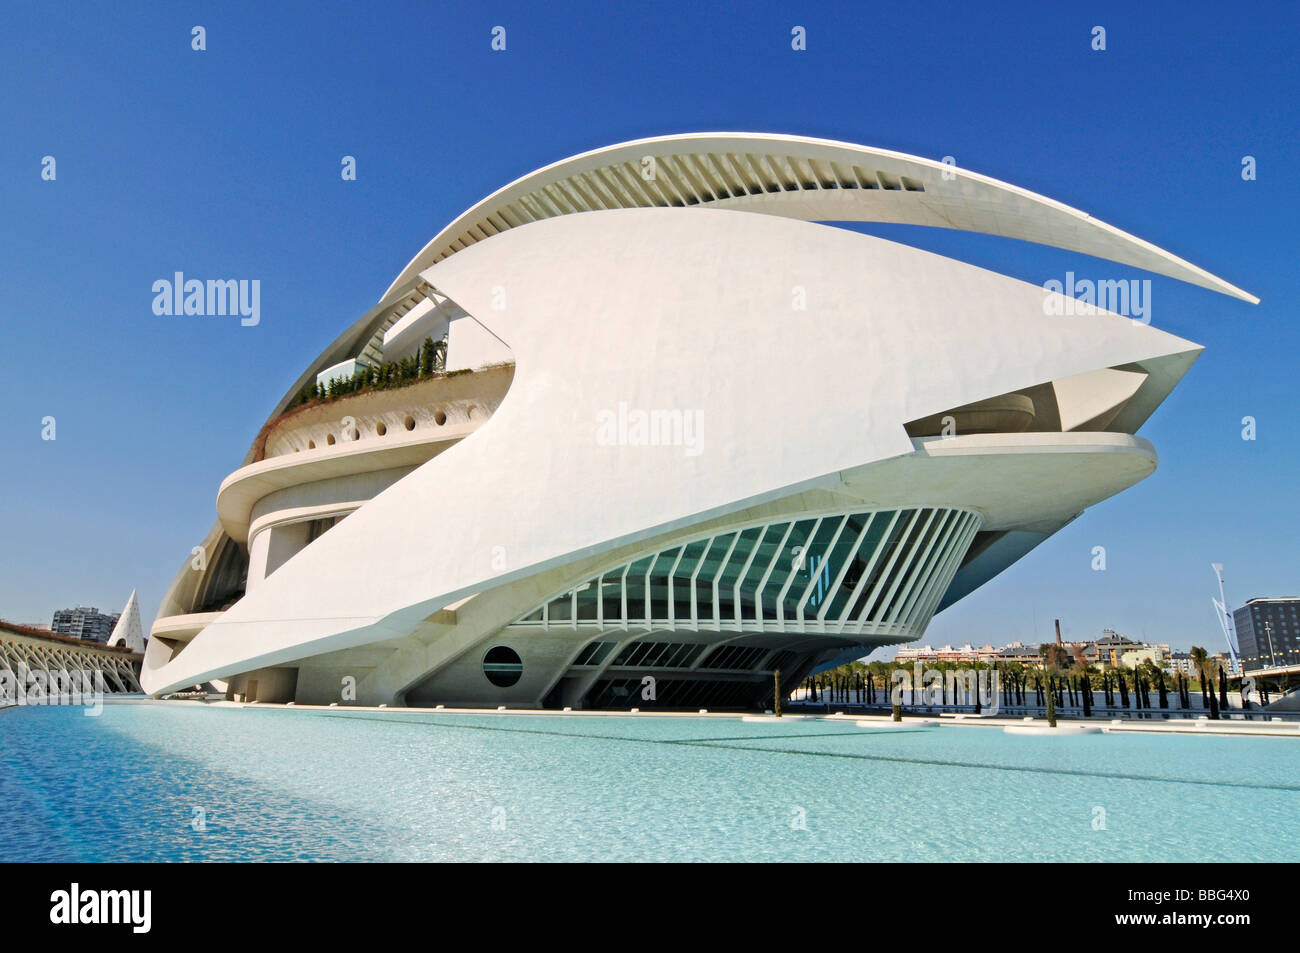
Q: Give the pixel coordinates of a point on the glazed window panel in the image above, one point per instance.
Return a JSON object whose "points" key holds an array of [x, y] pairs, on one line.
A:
{"points": [[744, 546], [636, 588], [881, 557], [884, 568], [611, 596], [767, 552], [785, 565], [682, 589], [907, 551], [852, 563], [560, 609], [814, 566], [831, 584], [595, 653], [587, 595], [658, 584]]}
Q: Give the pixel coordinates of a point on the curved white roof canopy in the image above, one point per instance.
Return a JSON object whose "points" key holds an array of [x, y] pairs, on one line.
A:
{"points": [[816, 180]]}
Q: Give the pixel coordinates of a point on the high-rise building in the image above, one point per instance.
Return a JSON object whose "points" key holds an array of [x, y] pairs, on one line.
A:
{"points": [[1268, 632], [84, 622]]}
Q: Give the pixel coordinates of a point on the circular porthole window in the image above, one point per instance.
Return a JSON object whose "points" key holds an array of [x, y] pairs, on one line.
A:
{"points": [[439, 418], [381, 428], [502, 666], [410, 423]]}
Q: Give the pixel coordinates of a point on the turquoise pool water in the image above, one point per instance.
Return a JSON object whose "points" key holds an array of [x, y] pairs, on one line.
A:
{"points": [[299, 785]]}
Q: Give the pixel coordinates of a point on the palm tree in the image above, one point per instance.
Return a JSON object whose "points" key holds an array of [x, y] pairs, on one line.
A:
{"points": [[1199, 657], [1212, 665], [1053, 656]]}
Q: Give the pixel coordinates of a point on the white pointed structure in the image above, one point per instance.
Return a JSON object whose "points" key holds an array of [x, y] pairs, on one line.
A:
{"points": [[129, 631], [1225, 617]]}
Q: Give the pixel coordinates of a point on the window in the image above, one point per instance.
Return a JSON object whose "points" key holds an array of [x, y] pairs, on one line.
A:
{"points": [[502, 666], [594, 653], [883, 568]]}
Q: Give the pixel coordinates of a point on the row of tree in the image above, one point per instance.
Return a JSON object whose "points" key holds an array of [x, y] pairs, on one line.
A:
{"points": [[431, 359], [1054, 682]]}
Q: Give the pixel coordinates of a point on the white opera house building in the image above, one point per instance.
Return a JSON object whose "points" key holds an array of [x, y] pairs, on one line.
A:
{"points": [[671, 424]]}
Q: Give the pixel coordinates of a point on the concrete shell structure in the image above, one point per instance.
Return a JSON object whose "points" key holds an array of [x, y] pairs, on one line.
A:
{"points": [[685, 432], [129, 632]]}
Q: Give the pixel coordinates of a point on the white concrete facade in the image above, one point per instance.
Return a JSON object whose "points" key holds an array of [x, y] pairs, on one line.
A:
{"points": [[658, 374]]}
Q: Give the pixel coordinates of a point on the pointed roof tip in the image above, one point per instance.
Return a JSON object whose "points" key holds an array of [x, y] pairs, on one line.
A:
{"points": [[1227, 288], [129, 631]]}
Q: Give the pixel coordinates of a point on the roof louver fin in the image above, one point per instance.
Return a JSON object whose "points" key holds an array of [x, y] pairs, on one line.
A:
{"points": [[865, 179], [802, 176], [824, 176], [844, 176]]}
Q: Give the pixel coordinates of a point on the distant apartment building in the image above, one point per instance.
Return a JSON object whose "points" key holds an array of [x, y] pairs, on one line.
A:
{"points": [[1112, 650], [1109, 650], [84, 622], [1019, 652], [1139, 654], [946, 653], [1268, 632]]}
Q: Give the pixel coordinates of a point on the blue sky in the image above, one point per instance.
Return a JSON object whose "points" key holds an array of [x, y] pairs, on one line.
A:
{"points": [[226, 163]]}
